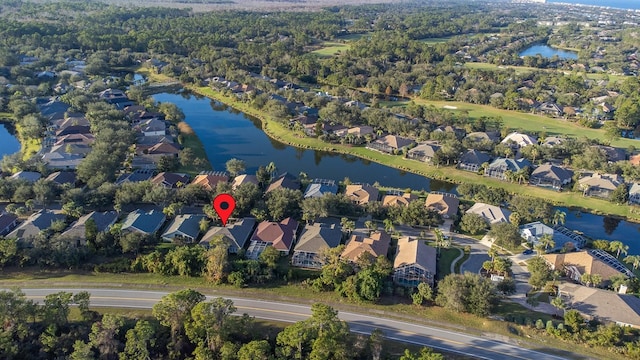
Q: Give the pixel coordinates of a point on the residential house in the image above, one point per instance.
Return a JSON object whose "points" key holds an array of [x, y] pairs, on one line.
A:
{"points": [[235, 234], [147, 223], [8, 222], [152, 127], [183, 228], [602, 305], [361, 193], [170, 180], [562, 237], [102, 220], [29, 176], [243, 179], [459, 133], [284, 181], [473, 159], [115, 97], [499, 167], [281, 235], [415, 262], [482, 136], [320, 187], [519, 140], [135, 176], [444, 203], [62, 160], [552, 141], [210, 179], [26, 232], [549, 175], [612, 154], [84, 139], [376, 244], [550, 108], [634, 194], [599, 185], [391, 144], [490, 213], [635, 159], [159, 150], [398, 199], [424, 151], [592, 262], [362, 130], [73, 129], [73, 149], [313, 240], [68, 121]]}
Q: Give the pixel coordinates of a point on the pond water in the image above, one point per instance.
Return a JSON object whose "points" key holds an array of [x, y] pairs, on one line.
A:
{"points": [[8, 142], [548, 52], [227, 133]]}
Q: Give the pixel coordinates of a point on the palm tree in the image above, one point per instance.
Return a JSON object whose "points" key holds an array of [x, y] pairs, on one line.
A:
{"points": [[559, 217], [558, 303], [586, 279], [547, 240], [618, 247], [539, 248], [493, 252], [515, 218], [388, 225], [439, 238], [347, 225], [272, 169], [634, 260], [371, 226]]}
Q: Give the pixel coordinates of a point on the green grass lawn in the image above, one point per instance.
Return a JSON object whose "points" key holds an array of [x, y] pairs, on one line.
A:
{"points": [[330, 49], [528, 122], [444, 262], [191, 141]]}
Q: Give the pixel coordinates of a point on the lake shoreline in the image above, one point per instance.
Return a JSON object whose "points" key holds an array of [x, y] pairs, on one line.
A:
{"points": [[277, 132], [28, 147]]}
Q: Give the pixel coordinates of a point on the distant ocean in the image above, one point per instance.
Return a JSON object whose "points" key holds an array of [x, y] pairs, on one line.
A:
{"points": [[621, 4]]}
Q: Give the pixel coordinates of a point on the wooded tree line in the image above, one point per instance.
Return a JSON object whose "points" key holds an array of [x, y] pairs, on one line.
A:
{"points": [[182, 326]]}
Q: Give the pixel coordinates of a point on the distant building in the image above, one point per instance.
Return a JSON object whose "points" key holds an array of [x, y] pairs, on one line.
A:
{"points": [[600, 185], [592, 262], [361, 193], [549, 175], [26, 232], [490, 213], [445, 204], [147, 223], [183, 228], [320, 187]]}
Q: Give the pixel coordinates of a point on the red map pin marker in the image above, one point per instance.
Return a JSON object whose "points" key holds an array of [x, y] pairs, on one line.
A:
{"points": [[224, 204]]}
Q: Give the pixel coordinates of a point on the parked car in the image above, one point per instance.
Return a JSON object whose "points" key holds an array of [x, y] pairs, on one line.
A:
{"points": [[527, 252]]}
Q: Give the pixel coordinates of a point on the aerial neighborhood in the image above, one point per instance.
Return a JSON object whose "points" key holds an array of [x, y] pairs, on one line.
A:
{"points": [[519, 153]]}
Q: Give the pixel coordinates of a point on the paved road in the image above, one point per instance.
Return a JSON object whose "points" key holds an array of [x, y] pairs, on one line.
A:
{"points": [[396, 330]]}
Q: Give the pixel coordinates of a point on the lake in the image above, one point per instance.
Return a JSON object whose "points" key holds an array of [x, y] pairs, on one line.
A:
{"points": [[620, 4], [547, 51], [227, 133], [8, 142]]}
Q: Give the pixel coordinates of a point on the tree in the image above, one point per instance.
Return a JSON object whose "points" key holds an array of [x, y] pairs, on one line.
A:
{"points": [[174, 311], [558, 303], [255, 350], [467, 293], [505, 234], [619, 196], [140, 340], [235, 166], [210, 323], [634, 260], [168, 163], [8, 251], [217, 258], [347, 225], [423, 293], [424, 354], [540, 272], [104, 336], [507, 286], [559, 217], [574, 320], [547, 240], [283, 203], [44, 191], [618, 247], [473, 223]]}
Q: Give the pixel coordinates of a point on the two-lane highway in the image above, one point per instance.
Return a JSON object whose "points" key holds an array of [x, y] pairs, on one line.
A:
{"points": [[396, 330]]}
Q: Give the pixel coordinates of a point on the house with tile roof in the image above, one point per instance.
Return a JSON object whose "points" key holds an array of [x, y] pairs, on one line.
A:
{"points": [[398, 199], [562, 237], [29, 176], [415, 262], [391, 144], [549, 175], [162, 149], [498, 168], [520, 140], [209, 179], [135, 176], [235, 234], [84, 139], [599, 185], [243, 179], [376, 244], [26, 232], [284, 181], [183, 228], [602, 305], [634, 194], [472, 160], [62, 177], [313, 240], [147, 223], [361, 193], [424, 151], [320, 187], [8, 222], [62, 160], [170, 180], [281, 235], [591, 262], [490, 213], [445, 204], [102, 220]]}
